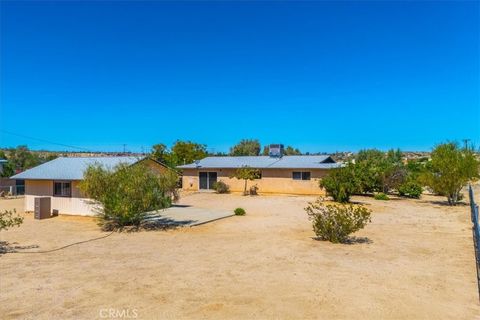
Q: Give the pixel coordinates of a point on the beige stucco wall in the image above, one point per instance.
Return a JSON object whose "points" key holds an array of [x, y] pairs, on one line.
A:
{"points": [[272, 181], [154, 166], [74, 205]]}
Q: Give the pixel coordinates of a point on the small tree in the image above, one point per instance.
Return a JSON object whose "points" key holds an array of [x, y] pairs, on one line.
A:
{"points": [[22, 158], [334, 222], [340, 183], [246, 173], [183, 152], [160, 153], [127, 193], [450, 169], [290, 151], [246, 147], [9, 218]]}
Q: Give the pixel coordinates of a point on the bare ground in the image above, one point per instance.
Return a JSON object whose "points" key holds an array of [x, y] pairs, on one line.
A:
{"points": [[414, 261]]}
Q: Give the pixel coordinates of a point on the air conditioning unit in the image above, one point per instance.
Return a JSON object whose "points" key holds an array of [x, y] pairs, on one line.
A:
{"points": [[275, 150], [42, 207]]}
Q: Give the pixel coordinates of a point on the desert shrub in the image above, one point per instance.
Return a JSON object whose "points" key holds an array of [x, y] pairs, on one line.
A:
{"points": [[450, 169], [127, 193], [221, 187], [340, 183], [377, 171], [381, 196], [253, 191], [410, 189], [9, 218], [334, 222], [239, 212], [169, 184]]}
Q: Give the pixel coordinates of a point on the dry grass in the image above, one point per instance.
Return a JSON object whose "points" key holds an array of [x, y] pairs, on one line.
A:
{"points": [[418, 263]]}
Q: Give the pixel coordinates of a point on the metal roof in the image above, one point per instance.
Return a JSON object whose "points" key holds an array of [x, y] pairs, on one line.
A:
{"points": [[71, 168], [264, 162]]}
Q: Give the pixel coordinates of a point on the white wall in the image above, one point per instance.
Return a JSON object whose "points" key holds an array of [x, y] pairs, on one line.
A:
{"points": [[74, 205]]}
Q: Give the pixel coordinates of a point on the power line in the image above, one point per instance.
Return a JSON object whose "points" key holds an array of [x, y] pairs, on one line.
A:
{"points": [[42, 140]]}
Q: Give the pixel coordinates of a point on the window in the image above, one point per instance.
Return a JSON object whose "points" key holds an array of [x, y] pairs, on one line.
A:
{"points": [[297, 175], [62, 189]]}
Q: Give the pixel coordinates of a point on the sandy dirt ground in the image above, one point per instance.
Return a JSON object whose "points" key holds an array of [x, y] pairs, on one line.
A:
{"points": [[418, 263]]}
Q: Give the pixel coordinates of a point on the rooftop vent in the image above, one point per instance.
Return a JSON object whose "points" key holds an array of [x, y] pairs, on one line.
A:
{"points": [[275, 150]]}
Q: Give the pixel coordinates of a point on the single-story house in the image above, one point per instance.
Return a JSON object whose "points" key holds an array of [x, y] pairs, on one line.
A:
{"points": [[279, 173], [59, 180]]}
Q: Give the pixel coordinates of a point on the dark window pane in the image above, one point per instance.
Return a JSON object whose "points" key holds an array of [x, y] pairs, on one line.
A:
{"points": [[57, 189], [203, 176], [305, 175], [297, 175], [66, 189], [62, 189], [212, 178]]}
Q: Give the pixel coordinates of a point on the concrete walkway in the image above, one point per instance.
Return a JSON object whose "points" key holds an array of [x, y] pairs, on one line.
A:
{"points": [[186, 216]]}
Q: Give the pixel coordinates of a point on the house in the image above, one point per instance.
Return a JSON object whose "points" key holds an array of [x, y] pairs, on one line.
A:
{"points": [[279, 173], [59, 180]]}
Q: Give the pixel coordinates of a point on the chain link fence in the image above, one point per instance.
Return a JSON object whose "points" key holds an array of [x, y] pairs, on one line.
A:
{"points": [[476, 233]]}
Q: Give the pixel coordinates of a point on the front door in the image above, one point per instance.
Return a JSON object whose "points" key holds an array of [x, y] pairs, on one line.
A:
{"points": [[207, 179]]}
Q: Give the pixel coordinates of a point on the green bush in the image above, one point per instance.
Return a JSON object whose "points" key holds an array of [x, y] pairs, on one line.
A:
{"points": [[239, 212], [9, 218], [127, 193], [378, 171], [410, 189], [381, 196], [221, 187], [340, 183], [334, 222]]}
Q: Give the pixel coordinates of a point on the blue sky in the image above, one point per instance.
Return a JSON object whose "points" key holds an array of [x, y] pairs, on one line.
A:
{"points": [[321, 76]]}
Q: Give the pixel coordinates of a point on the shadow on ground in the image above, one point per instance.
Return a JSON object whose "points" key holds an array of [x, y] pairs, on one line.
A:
{"points": [[7, 247], [164, 223], [350, 240], [443, 203]]}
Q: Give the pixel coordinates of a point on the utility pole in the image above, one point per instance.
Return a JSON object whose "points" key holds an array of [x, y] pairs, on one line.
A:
{"points": [[124, 148], [465, 142]]}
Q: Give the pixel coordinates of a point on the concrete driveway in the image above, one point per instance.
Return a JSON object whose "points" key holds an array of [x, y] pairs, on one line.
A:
{"points": [[186, 216]]}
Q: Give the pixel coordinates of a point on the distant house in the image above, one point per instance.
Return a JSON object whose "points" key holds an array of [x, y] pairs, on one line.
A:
{"points": [[279, 173], [59, 180]]}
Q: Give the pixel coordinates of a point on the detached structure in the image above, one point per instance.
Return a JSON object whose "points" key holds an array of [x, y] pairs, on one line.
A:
{"points": [[279, 173], [59, 179]]}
